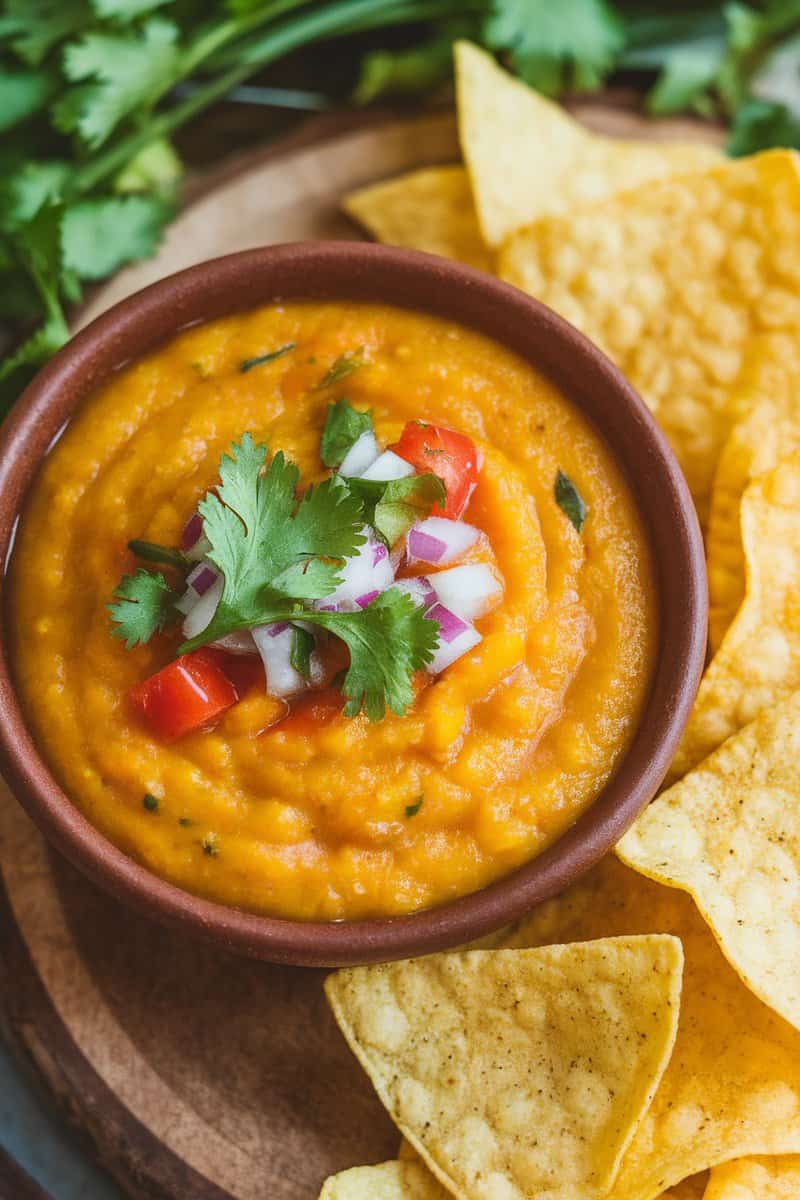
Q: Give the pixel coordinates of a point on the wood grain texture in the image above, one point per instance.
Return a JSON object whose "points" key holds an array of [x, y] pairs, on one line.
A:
{"points": [[192, 1074]]}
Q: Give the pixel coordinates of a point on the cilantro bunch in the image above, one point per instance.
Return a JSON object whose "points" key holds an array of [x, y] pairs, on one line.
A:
{"points": [[92, 92], [278, 555]]}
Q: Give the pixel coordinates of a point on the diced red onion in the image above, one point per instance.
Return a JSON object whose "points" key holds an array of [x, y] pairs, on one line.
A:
{"points": [[200, 615], [470, 591], [379, 553], [240, 642], [192, 531], [450, 626], [388, 466], [364, 572], [361, 455], [275, 629], [438, 540], [456, 638], [367, 598], [202, 578], [419, 588]]}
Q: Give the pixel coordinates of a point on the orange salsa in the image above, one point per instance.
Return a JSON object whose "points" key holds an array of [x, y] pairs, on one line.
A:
{"points": [[323, 816]]}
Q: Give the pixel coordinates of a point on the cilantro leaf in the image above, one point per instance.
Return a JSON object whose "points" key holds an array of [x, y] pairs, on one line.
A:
{"points": [[143, 606], [344, 425], [760, 124], [388, 640], [269, 548], [34, 27], [128, 71], [569, 500], [23, 93], [392, 506], [26, 191], [407, 71], [102, 234], [344, 365], [686, 77], [301, 651], [413, 809], [570, 45], [126, 10]]}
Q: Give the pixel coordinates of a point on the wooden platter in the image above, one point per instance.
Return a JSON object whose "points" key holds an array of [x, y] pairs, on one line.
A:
{"points": [[194, 1075]]}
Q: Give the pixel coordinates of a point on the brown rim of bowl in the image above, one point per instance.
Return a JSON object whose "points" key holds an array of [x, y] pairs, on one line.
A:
{"points": [[358, 271]]}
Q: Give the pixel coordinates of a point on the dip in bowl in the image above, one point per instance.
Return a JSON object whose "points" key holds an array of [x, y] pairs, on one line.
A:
{"points": [[407, 590]]}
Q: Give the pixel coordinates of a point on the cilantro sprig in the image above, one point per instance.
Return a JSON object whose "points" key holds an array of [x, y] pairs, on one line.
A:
{"points": [[344, 425], [392, 506], [278, 555]]}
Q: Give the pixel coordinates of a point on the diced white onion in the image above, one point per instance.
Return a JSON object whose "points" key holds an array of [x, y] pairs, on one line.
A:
{"points": [[439, 541], [200, 615], [369, 570], [470, 591], [456, 638], [419, 588], [274, 644], [388, 466], [361, 455]]}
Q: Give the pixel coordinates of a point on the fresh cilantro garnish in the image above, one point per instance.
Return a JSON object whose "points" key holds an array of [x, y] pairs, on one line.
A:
{"points": [[152, 552], [301, 651], [277, 554], [98, 236], [143, 607], [413, 809], [185, 821], [388, 641], [150, 802], [272, 550], [344, 425], [569, 500], [392, 506], [271, 356], [345, 365], [570, 45]]}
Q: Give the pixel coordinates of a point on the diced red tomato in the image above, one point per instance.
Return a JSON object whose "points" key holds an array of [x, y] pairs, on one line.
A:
{"points": [[450, 455], [185, 695]]}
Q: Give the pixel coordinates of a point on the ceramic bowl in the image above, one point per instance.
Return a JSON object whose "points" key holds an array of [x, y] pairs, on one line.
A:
{"points": [[356, 271]]}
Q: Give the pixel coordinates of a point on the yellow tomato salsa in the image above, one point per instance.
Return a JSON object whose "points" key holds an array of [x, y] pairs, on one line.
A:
{"points": [[319, 815]]}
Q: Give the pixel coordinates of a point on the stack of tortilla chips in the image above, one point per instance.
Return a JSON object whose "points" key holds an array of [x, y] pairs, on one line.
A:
{"points": [[639, 1036]]}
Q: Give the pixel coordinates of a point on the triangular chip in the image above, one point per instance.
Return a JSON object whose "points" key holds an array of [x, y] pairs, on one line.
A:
{"points": [[517, 1074], [756, 1179], [387, 1181], [769, 392], [429, 210], [732, 1087], [728, 834], [678, 281], [528, 158], [758, 662]]}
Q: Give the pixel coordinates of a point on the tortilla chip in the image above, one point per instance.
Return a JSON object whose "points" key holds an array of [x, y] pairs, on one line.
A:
{"points": [[429, 210], [529, 158], [678, 281], [387, 1181], [756, 1179], [758, 663], [688, 1189], [732, 1087], [728, 835], [770, 394], [517, 1073]]}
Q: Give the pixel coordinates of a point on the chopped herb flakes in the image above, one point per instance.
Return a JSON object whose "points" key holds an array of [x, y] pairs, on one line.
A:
{"points": [[185, 821], [413, 809], [152, 552], [150, 802], [345, 365], [210, 844], [271, 356], [569, 500]]}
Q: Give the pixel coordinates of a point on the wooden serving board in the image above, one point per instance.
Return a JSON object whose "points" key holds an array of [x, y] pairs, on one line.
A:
{"points": [[192, 1074]]}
